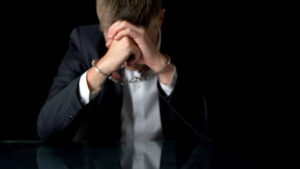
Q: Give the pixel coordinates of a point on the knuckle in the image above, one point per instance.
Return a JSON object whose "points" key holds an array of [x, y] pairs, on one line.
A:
{"points": [[126, 39], [129, 31], [142, 31], [124, 23]]}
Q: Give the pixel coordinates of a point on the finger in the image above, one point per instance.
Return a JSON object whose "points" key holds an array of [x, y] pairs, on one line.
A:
{"points": [[115, 28], [121, 26], [112, 28], [137, 58], [137, 55], [108, 43], [109, 34], [126, 32]]}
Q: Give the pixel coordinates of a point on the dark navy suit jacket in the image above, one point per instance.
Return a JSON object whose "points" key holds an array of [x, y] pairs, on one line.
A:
{"points": [[63, 117]]}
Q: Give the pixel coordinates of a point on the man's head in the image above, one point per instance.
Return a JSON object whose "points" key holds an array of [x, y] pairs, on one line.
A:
{"points": [[146, 13]]}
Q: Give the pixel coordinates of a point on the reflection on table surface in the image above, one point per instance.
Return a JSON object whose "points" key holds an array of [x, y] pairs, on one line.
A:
{"points": [[113, 155]]}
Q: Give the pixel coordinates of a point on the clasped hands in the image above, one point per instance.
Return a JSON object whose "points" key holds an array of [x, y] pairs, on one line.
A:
{"points": [[130, 45]]}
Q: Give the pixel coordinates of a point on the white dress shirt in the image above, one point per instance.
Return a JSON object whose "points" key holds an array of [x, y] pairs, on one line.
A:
{"points": [[140, 113]]}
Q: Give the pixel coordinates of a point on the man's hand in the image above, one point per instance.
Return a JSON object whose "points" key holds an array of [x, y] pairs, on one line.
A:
{"points": [[151, 55], [117, 54]]}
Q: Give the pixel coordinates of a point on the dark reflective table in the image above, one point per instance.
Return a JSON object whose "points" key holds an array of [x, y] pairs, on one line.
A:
{"points": [[138, 155]]}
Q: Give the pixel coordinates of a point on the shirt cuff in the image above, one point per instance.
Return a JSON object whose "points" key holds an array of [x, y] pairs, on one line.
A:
{"points": [[85, 94], [169, 88]]}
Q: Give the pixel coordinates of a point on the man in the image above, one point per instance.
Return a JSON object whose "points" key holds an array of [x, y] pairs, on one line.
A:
{"points": [[115, 84]]}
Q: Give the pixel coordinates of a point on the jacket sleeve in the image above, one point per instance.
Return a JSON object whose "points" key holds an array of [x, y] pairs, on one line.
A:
{"points": [[185, 114], [63, 104]]}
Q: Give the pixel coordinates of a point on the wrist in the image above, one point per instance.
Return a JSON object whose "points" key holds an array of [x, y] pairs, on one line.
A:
{"points": [[94, 79], [99, 70], [104, 66], [161, 64], [165, 77]]}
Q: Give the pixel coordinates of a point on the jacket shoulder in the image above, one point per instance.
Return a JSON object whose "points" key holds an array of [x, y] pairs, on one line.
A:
{"points": [[89, 32], [91, 40], [89, 28]]}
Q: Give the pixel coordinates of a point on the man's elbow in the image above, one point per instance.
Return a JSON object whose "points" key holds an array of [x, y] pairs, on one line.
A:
{"points": [[41, 129]]}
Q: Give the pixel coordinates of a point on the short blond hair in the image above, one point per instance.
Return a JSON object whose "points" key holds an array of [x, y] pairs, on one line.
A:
{"points": [[137, 12]]}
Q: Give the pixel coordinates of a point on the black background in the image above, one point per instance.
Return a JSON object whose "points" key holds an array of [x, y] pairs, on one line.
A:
{"points": [[224, 42]]}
